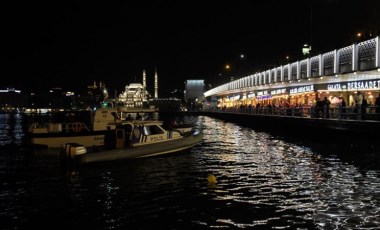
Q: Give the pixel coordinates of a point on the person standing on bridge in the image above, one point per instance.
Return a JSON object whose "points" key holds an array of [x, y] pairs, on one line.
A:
{"points": [[364, 107], [358, 104], [319, 108], [377, 104], [326, 108], [343, 110]]}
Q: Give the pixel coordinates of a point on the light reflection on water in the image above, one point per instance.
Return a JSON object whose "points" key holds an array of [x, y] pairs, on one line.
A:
{"points": [[262, 182], [11, 129]]}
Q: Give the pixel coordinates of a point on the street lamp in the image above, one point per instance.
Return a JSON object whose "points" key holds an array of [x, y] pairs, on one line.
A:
{"points": [[228, 68]]}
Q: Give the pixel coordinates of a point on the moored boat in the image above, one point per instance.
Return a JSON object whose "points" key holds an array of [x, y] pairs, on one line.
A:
{"points": [[55, 134], [134, 139]]}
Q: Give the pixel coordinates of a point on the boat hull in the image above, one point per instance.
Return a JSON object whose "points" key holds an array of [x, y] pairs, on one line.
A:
{"points": [[170, 146], [59, 140]]}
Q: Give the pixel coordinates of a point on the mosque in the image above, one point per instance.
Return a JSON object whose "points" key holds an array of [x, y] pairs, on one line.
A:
{"points": [[136, 94]]}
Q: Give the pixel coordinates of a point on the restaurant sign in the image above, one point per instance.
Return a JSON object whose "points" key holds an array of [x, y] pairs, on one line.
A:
{"points": [[302, 89], [354, 85], [277, 91], [263, 94], [251, 95]]}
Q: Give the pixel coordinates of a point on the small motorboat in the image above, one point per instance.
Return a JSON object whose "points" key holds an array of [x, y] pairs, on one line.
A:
{"points": [[134, 139]]}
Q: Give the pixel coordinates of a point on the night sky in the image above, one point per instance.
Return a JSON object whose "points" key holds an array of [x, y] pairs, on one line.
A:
{"points": [[71, 44]]}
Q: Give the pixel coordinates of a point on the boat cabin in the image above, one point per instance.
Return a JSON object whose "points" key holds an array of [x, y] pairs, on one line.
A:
{"points": [[137, 133], [105, 117]]}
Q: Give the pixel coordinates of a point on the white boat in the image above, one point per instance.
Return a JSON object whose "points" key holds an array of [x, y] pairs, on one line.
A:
{"points": [[56, 134], [134, 139]]}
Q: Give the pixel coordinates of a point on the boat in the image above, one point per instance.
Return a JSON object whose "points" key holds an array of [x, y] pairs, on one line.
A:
{"points": [[54, 134], [133, 139]]}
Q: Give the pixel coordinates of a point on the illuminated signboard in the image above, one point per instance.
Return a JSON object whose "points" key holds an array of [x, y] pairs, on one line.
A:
{"points": [[262, 93], [264, 97], [8, 90], [354, 85], [251, 95], [302, 89], [278, 91]]}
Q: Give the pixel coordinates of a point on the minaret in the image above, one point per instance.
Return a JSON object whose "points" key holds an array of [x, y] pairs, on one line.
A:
{"points": [[144, 86], [144, 79], [155, 84]]}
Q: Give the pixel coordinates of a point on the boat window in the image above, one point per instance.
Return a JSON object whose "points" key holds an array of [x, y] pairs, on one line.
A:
{"points": [[115, 115], [154, 129], [147, 130]]}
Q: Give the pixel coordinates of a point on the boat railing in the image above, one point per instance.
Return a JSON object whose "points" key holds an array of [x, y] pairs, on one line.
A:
{"points": [[74, 127], [71, 127]]}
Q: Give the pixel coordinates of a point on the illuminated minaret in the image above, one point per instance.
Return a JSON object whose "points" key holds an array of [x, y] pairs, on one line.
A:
{"points": [[144, 79], [155, 84]]}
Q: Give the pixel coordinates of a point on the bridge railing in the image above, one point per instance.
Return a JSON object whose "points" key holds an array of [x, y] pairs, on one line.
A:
{"points": [[349, 113]]}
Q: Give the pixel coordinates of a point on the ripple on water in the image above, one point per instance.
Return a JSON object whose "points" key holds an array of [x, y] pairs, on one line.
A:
{"points": [[263, 182]]}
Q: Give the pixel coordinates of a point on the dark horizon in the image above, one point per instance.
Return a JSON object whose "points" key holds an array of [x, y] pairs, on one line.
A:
{"points": [[70, 46]]}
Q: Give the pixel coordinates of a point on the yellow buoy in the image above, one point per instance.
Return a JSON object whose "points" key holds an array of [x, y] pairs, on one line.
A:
{"points": [[211, 179]]}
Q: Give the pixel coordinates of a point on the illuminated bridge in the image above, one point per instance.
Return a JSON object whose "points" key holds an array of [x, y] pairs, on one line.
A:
{"points": [[338, 74], [288, 97]]}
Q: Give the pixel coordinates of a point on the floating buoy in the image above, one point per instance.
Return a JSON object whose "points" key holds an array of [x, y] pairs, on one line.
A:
{"points": [[211, 179]]}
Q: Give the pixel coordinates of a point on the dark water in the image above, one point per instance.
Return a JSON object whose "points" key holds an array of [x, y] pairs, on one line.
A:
{"points": [[263, 182]]}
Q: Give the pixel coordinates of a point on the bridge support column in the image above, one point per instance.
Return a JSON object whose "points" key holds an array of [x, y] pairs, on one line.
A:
{"points": [[336, 61], [377, 52], [354, 57]]}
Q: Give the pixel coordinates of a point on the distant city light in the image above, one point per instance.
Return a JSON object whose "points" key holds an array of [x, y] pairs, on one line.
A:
{"points": [[306, 49], [10, 90]]}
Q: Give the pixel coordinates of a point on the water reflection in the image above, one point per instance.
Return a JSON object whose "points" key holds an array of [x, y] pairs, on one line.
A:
{"points": [[257, 169], [263, 182], [11, 129]]}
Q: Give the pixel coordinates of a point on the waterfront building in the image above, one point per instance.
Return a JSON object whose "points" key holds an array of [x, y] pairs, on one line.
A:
{"points": [[12, 99], [336, 75], [194, 93], [136, 94], [171, 104]]}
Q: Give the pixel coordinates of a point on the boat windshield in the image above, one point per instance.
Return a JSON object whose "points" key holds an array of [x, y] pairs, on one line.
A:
{"points": [[152, 130]]}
